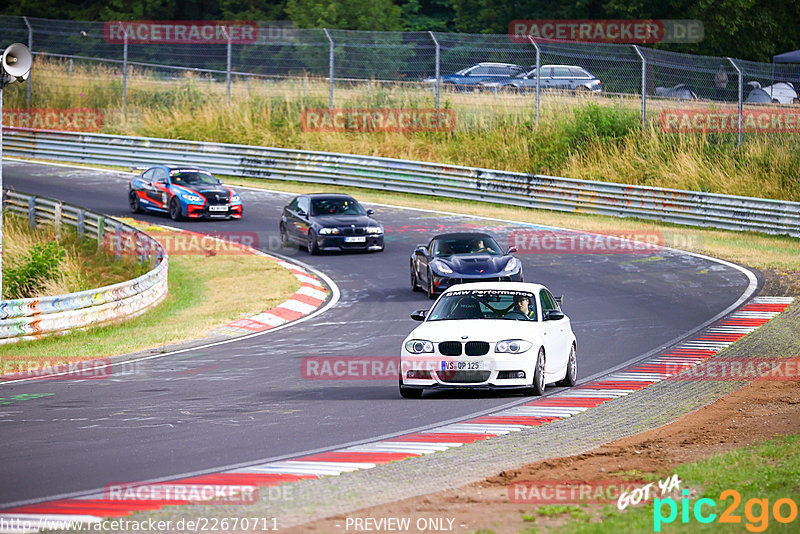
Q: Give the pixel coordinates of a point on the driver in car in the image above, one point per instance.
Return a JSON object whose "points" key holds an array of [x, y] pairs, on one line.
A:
{"points": [[521, 309]]}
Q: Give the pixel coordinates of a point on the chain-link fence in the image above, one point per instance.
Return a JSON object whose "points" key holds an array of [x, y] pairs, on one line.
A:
{"points": [[428, 64]]}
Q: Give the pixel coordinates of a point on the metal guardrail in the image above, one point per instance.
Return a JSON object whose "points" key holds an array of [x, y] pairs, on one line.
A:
{"points": [[35, 317], [510, 188]]}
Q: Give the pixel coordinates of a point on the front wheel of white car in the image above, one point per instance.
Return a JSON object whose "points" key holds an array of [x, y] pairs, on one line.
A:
{"points": [[572, 370], [537, 388]]}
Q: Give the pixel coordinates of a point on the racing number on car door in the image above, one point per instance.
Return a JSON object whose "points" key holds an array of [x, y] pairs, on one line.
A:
{"points": [[555, 345]]}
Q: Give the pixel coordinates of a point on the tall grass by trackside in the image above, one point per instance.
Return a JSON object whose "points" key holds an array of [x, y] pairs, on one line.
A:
{"points": [[579, 136]]}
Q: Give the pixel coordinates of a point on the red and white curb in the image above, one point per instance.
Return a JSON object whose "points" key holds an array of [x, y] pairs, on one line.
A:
{"points": [[93, 508], [311, 295]]}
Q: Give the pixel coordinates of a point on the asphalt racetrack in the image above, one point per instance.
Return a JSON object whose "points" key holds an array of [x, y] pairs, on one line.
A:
{"points": [[247, 401]]}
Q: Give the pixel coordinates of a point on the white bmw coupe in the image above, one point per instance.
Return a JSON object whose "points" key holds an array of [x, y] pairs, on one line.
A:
{"points": [[490, 335]]}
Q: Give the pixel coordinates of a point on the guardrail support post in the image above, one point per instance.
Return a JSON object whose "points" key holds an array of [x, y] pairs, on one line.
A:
{"points": [[330, 68], [30, 47], [538, 77], [32, 212], [739, 99], [644, 85], [57, 220], [117, 241], [101, 232], [437, 86], [81, 223]]}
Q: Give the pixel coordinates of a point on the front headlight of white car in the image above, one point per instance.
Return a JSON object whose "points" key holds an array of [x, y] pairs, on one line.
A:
{"points": [[512, 346], [418, 346], [442, 267], [328, 231], [512, 265]]}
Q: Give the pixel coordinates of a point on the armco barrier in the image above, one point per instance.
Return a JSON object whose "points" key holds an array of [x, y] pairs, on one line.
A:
{"points": [[511, 188], [35, 317]]}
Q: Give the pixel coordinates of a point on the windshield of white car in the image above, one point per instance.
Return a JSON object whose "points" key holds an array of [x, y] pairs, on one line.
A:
{"points": [[470, 245], [485, 304], [336, 206], [192, 178]]}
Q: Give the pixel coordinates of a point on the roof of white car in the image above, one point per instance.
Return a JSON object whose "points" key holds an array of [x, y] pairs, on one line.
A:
{"points": [[513, 286]]}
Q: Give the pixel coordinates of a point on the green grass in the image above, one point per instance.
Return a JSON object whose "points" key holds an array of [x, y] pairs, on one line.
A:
{"points": [[194, 306], [770, 470], [579, 136]]}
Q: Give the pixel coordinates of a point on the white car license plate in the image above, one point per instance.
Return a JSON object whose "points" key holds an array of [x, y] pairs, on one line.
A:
{"points": [[218, 208], [356, 239], [451, 365]]}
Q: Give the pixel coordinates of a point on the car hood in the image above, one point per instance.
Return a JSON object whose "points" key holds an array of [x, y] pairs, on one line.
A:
{"points": [[206, 189], [476, 264], [343, 220], [490, 330]]}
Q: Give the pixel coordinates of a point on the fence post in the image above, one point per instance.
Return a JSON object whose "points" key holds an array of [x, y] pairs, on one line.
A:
{"points": [[330, 68], [739, 99], [124, 66], [30, 47], [70, 66], [538, 77], [436, 87], [228, 68], [644, 85]]}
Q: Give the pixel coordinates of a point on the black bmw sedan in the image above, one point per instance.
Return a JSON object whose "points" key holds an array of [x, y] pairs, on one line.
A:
{"points": [[326, 221], [457, 258]]}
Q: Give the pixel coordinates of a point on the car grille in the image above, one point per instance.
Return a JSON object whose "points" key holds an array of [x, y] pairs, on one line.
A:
{"points": [[353, 231], [476, 348], [217, 199], [463, 377], [454, 281], [450, 348]]}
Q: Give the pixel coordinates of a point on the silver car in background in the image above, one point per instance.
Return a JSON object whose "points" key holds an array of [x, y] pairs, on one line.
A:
{"points": [[558, 77]]}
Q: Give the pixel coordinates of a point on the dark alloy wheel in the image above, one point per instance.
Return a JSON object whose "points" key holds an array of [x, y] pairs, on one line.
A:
{"points": [[284, 236], [133, 202], [312, 246], [414, 281], [175, 210]]}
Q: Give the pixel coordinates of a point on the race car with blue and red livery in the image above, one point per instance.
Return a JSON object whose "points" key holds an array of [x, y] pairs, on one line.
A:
{"points": [[183, 191]]}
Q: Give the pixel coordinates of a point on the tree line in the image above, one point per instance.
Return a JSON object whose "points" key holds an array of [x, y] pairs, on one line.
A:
{"points": [[745, 29]]}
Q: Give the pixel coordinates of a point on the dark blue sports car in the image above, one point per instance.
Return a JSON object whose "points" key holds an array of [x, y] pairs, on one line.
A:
{"points": [[182, 191], [451, 259]]}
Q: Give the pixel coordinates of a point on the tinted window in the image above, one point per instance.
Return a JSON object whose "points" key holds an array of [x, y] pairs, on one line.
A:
{"points": [[579, 73], [547, 72], [293, 204], [501, 71], [548, 302], [479, 71], [561, 72], [465, 245], [484, 304], [159, 175], [336, 206], [193, 178], [148, 175]]}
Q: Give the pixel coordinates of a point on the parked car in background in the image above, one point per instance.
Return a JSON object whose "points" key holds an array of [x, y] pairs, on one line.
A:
{"points": [[679, 92], [482, 72], [777, 93], [560, 77]]}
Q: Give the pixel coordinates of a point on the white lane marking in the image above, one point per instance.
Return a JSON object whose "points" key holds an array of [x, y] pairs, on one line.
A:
{"points": [[414, 447]]}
